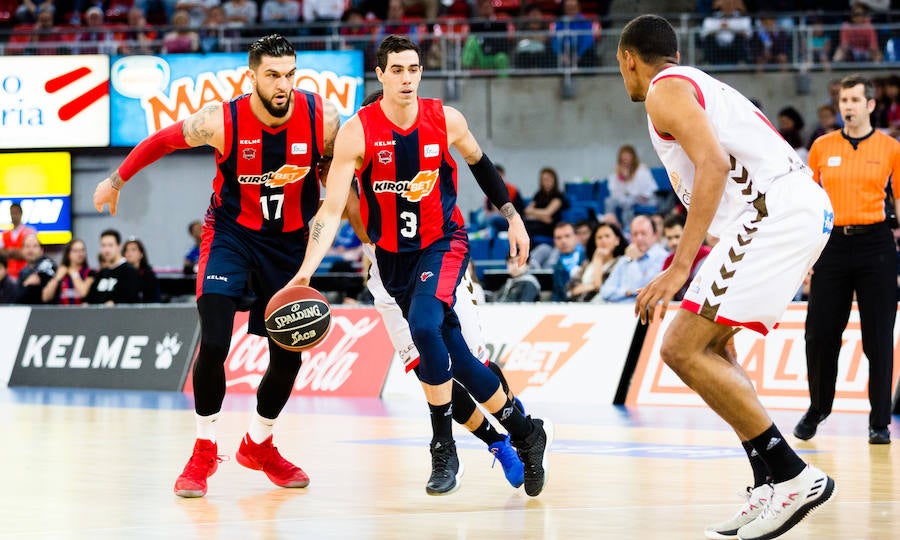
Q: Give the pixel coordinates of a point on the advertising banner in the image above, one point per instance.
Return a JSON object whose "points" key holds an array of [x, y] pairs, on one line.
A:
{"points": [[12, 325], [564, 353], [149, 93], [129, 348], [42, 184], [776, 364], [54, 101], [352, 361]]}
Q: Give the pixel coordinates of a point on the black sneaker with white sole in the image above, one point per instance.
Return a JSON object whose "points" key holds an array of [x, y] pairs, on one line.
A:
{"points": [[533, 453], [446, 469]]}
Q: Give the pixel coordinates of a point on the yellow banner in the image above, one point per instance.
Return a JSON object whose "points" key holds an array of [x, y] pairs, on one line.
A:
{"points": [[35, 174]]}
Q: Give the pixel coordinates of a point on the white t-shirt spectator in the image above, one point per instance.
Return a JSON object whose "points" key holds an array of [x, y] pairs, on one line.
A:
{"points": [[322, 10], [280, 11]]}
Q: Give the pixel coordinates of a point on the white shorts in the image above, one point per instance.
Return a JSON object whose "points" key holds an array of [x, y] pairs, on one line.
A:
{"points": [[762, 257], [398, 328]]}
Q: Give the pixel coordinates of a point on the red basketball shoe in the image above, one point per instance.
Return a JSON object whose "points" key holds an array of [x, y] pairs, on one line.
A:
{"points": [[202, 465], [265, 457]]}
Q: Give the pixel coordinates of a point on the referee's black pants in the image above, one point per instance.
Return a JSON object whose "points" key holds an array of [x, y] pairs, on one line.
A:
{"points": [[867, 265]]}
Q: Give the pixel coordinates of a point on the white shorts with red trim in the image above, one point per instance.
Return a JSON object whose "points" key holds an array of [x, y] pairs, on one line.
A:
{"points": [[398, 328], [762, 257]]}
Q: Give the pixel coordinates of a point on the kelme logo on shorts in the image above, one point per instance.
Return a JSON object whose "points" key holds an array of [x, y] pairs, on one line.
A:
{"points": [[414, 190], [286, 174]]}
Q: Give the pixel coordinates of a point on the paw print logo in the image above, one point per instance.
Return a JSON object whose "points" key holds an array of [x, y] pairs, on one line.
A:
{"points": [[166, 351]]}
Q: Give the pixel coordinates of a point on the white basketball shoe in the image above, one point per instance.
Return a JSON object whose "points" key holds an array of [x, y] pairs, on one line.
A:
{"points": [[791, 501], [757, 498]]}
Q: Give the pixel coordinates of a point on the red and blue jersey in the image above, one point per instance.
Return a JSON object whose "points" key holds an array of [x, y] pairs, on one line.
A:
{"points": [[266, 178], [407, 181]]}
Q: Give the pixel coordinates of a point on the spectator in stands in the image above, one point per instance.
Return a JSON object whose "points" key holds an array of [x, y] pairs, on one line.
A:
{"points": [[29, 10], [532, 48], [395, 22], [198, 10], [892, 104], [44, 32], [240, 13], [818, 45], [790, 126], [322, 11], [643, 259], [9, 289], [148, 289], [630, 184], [158, 11], [215, 28], [192, 257], [605, 246], [38, 271], [73, 278], [859, 41], [12, 239], [574, 37], [566, 256], [492, 216], [545, 209], [280, 11], [770, 43], [673, 227], [357, 35], [139, 37], [181, 39], [429, 7], [117, 282], [827, 123], [347, 247], [521, 286], [487, 46], [584, 229], [725, 33], [95, 37]]}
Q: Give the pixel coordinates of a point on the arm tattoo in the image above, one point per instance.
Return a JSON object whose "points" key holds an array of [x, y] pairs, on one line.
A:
{"points": [[332, 123], [508, 211], [197, 127], [317, 228], [116, 181]]}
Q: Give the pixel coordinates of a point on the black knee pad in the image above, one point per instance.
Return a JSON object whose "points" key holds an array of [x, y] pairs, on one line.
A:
{"points": [[463, 404]]}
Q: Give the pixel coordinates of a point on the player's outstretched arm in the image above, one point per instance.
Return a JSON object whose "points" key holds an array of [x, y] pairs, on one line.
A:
{"points": [[673, 107], [349, 149], [206, 126], [489, 180]]}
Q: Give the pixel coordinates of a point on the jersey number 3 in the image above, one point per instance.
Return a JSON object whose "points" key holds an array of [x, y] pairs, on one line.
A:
{"points": [[410, 224]]}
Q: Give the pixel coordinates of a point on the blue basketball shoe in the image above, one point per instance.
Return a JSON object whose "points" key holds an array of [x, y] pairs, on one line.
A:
{"points": [[512, 466]]}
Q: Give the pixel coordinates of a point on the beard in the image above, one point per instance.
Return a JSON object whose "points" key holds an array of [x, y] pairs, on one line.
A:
{"points": [[275, 110]]}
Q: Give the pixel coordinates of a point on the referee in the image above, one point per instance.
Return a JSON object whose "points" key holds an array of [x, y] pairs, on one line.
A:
{"points": [[854, 166]]}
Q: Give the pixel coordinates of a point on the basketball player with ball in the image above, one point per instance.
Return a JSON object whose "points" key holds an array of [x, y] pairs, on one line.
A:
{"points": [[399, 148], [269, 145]]}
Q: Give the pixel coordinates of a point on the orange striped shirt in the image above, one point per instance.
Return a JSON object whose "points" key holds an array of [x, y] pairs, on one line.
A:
{"points": [[855, 179]]}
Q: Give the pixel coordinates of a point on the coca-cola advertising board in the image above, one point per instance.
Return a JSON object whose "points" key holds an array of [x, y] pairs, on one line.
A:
{"points": [[353, 360]]}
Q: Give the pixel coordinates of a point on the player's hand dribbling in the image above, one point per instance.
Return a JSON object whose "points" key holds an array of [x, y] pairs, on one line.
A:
{"points": [[659, 292], [106, 194]]}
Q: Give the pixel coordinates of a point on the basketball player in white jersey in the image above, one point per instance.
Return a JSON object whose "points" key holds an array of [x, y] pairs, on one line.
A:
{"points": [[746, 186]]}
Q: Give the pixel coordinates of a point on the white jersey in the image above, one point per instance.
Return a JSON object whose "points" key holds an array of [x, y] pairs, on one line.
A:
{"points": [[759, 155]]}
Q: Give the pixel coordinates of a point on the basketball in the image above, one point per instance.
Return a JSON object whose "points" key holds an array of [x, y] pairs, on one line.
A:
{"points": [[298, 318]]}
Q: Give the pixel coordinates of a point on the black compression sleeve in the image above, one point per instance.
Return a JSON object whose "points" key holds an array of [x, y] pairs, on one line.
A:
{"points": [[489, 179]]}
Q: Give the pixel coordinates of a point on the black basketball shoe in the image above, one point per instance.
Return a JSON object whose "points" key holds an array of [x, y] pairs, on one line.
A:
{"points": [[533, 453], [446, 469]]}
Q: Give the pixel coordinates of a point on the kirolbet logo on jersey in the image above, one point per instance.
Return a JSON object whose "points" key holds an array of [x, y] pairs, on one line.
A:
{"points": [[414, 190], [286, 174]]}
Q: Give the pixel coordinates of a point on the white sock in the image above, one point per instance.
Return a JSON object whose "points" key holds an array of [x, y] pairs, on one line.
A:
{"points": [[206, 426], [260, 428]]}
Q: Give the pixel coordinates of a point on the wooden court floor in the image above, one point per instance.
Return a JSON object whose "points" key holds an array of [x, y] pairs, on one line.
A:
{"points": [[101, 465]]}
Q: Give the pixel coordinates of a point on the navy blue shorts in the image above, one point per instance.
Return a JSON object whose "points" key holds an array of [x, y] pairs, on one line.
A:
{"points": [[247, 265], [434, 271]]}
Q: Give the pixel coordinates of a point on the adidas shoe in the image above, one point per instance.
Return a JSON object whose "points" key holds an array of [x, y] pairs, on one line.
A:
{"points": [[203, 463], [509, 460], [265, 457], [757, 498], [791, 501], [533, 453], [446, 469]]}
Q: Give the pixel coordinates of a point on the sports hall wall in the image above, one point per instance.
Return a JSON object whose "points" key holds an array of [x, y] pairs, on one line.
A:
{"points": [[521, 123]]}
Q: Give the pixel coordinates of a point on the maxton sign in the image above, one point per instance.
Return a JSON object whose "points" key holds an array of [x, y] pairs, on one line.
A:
{"points": [[352, 361], [138, 348]]}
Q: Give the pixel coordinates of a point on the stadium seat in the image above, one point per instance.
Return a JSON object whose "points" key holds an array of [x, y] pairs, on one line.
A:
{"points": [[479, 249]]}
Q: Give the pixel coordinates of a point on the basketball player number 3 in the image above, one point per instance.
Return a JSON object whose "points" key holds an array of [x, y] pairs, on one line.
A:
{"points": [[265, 200], [410, 224]]}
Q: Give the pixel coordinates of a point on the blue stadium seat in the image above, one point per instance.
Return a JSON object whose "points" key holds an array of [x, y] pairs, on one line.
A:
{"points": [[580, 191], [662, 178], [600, 196], [576, 213], [479, 249]]}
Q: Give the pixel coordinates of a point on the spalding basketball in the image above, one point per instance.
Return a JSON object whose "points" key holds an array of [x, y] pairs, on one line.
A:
{"points": [[298, 318]]}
